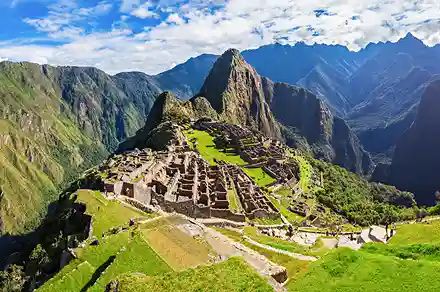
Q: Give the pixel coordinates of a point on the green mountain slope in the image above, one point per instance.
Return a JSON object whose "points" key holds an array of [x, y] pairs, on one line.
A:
{"points": [[54, 123]]}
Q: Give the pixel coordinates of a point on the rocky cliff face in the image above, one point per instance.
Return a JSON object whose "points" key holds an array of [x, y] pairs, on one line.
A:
{"points": [[55, 122], [415, 163]]}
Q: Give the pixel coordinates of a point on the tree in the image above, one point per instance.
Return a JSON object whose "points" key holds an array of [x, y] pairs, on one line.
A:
{"points": [[421, 213], [221, 141], [37, 261], [13, 279]]}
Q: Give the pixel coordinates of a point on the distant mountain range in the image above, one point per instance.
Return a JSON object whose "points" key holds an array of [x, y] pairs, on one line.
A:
{"points": [[372, 89]]}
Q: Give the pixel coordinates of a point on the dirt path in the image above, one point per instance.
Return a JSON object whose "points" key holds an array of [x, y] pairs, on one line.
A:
{"points": [[291, 254], [226, 248]]}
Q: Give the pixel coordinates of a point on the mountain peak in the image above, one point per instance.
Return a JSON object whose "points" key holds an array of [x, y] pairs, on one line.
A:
{"points": [[412, 41], [232, 52]]}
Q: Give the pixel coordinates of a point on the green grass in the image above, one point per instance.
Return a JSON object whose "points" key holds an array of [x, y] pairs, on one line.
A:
{"points": [[345, 270], [177, 248], [282, 244], [107, 214], [421, 233], [282, 207], [132, 255], [260, 177], [267, 221], [138, 257], [231, 275], [206, 147], [305, 172], [73, 281], [284, 192], [429, 252], [234, 202]]}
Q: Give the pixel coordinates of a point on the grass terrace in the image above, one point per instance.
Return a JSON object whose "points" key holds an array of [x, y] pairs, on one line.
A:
{"points": [[108, 214], [294, 267], [231, 275]]}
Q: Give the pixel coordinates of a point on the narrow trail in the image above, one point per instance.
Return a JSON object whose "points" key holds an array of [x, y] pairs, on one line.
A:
{"points": [[298, 256]]}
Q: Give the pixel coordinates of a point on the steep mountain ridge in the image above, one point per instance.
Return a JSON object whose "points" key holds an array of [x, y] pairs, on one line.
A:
{"points": [[240, 95], [416, 158], [56, 122]]}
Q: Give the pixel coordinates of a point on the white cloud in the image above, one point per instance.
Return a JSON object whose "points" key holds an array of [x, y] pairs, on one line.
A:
{"points": [[174, 18], [194, 28], [145, 10]]}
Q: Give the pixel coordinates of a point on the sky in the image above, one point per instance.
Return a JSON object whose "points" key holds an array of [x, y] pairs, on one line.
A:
{"points": [[155, 35]]}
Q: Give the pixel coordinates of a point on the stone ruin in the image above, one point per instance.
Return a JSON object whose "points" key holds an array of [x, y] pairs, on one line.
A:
{"points": [[181, 181], [256, 150]]}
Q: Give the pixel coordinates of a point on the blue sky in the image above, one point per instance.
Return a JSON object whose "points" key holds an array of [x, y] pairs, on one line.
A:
{"points": [[154, 35]]}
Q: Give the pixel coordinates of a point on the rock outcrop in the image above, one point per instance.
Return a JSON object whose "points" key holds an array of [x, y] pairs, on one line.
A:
{"points": [[236, 92]]}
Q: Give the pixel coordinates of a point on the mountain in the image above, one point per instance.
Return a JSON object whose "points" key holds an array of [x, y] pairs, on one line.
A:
{"points": [[303, 114], [186, 79], [415, 162], [56, 122], [240, 95], [235, 93]]}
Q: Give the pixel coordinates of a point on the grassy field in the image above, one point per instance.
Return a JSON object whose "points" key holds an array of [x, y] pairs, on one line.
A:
{"points": [[305, 170], [231, 275], [274, 242], [260, 177], [108, 214], [344, 270], [206, 147], [177, 248], [421, 233]]}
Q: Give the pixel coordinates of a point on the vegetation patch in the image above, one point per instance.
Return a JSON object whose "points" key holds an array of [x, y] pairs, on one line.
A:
{"points": [[231, 275], [108, 214], [72, 281], [136, 257], [345, 270], [418, 233], [294, 267], [178, 249]]}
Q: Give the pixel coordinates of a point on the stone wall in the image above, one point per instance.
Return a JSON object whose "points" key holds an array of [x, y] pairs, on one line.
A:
{"points": [[227, 214]]}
